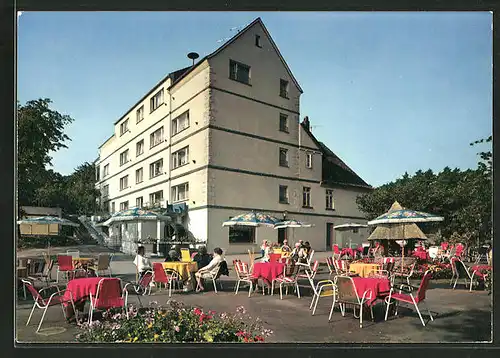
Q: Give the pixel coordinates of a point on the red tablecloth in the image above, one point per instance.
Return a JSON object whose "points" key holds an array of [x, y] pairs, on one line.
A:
{"points": [[268, 271], [81, 288], [375, 287], [274, 257]]}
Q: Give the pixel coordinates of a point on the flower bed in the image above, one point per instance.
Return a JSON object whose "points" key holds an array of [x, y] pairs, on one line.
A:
{"points": [[440, 270], [175, 323]]}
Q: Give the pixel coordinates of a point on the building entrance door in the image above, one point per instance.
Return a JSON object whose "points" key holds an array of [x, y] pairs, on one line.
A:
{"points": [[281, 235]]}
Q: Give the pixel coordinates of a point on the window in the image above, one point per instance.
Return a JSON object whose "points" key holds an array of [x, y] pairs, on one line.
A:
{"points": [[180, 192], [138, 202], [124, 127], [105, 191], [306, 197], [157, 100], [124, 157], [139, 147], [257, 41], [283, 157], [283, 122], [329, 199], [284, 88], [124, 182], [124, 206], [309, 160], [239, 72], [355, 230], [112, 207], [156, 137], [180, 158], [97, 173], [180, 123], [156, 168], [138, 176], [156, 197], [241, 235], [283, 199], [105, 171], [139, 114]]}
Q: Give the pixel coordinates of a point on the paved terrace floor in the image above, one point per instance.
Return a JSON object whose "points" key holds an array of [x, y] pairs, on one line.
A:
{"points": [[460, 315]]}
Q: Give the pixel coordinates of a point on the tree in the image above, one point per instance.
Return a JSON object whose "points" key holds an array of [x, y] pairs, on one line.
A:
{"points": [[40, 132], [463, 198], [81, 190]]}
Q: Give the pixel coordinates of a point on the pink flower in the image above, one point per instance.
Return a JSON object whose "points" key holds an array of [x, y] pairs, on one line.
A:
{"points": [[177, 328]]}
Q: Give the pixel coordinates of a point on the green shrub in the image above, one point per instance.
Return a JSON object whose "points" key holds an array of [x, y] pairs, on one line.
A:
{"points": [[175, 323]]}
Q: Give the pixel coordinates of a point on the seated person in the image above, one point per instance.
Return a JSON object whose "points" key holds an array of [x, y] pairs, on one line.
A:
{"points": [[267, 251], [141, 262], [173, 255], [202, 258], [212, 266], [295, 252], [304, 252], [285, 247]]}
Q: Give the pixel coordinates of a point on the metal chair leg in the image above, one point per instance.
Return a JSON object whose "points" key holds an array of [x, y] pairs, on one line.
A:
{"points": [[43, 316]]}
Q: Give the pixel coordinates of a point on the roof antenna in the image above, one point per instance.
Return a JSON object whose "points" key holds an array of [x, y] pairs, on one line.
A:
{"points": [[193, 56]]}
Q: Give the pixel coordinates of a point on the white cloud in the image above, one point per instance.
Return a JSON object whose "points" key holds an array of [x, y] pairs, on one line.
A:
{"points": [[19, 13]]}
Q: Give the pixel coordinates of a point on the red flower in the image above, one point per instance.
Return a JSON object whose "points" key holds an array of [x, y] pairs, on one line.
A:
{"points": [[211, 312], [197, 311], [240, 333], [245, 340]]}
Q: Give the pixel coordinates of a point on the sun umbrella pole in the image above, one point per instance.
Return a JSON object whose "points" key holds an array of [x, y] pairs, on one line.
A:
{"points": [[403, 252]]}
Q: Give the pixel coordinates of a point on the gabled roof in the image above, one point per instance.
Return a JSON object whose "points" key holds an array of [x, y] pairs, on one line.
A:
{"points": [[334, 170], [233, 39]]}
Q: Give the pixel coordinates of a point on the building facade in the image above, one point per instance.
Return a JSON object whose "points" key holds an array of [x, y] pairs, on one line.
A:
{"points": [[223, 137]]}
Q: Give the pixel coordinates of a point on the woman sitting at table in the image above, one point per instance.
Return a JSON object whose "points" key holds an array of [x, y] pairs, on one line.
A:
{"points": [[141, 262], [202, 258], [212, 265], [267, 251], [285, 247]]}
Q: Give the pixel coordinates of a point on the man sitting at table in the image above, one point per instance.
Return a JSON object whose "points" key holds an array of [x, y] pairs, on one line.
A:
{"points": [[141, 262], [212, 266]]}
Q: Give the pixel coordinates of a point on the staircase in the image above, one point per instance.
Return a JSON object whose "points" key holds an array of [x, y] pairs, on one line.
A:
{"points": [[97, 235]]}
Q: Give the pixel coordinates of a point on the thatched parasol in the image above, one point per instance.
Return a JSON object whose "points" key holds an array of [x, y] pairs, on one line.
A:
{"points": [[397, 232]]}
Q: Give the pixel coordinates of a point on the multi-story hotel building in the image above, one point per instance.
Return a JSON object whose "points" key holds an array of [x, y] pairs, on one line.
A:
{"points": [[224, 137]]}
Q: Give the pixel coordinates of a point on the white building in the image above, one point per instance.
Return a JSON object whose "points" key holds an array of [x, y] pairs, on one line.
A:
{"points": [[222, 138]]}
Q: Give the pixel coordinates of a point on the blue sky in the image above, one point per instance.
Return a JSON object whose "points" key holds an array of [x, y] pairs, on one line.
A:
{"points": [[387, 92]]}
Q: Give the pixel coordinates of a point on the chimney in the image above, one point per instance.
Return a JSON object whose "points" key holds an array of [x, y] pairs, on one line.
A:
{"points": [[306, 124]]}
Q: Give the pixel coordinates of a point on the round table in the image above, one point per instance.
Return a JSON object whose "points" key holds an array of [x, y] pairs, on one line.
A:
{"points": [[268, 271], [183, 268], [363, 270]]}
